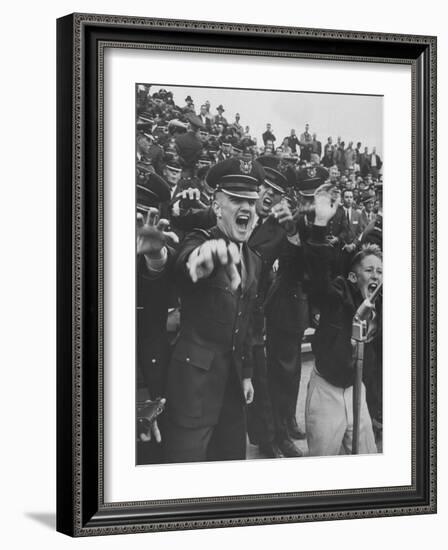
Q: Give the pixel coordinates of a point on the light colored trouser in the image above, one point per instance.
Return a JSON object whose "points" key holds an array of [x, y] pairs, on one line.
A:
{"points": [[329, 419]]}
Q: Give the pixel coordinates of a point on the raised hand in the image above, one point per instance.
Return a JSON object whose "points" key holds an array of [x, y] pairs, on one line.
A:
{"points": [[327, 199], [191, 194], [153, 431], [210, 254], [282, 213], [152, 234]]}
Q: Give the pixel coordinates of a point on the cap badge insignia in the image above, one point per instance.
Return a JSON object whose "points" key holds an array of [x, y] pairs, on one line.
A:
{"points": [[246, 166]]}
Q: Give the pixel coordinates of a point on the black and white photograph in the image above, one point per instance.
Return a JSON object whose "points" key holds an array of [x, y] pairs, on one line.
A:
{"points": [[259, 273]]}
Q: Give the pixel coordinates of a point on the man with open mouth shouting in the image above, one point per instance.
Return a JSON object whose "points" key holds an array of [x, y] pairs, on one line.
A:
{"points": [[209, 376], [272, 417], [329, 404]]}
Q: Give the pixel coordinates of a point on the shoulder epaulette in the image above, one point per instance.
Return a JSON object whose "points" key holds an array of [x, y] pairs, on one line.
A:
{"points": [[203, 231]]}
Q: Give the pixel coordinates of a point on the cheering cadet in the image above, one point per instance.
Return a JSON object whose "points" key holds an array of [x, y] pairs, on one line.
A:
{"points": [[209, 378], [274, 236], [153, 286]]}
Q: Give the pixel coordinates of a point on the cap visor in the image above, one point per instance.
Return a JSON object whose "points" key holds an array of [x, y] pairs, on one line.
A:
{"points": [[241, 194], [275, 187], [144, 208]]}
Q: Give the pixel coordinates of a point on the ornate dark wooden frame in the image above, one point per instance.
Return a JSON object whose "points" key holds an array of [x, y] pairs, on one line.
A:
{"points": [[81, 39]]}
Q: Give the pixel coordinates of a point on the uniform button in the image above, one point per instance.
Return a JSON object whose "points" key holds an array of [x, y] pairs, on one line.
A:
{"points": [[187, 359], [240, 313], [153, 360], [233, 348], [237, 330]]}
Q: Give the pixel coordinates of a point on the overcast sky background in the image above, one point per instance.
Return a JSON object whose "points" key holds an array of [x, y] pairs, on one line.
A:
{"points": [[353, 117]]}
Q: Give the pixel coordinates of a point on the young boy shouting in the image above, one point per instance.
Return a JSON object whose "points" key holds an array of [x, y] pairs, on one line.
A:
{"points": [[329, 404]]}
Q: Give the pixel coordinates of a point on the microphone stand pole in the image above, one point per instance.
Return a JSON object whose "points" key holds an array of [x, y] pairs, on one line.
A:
{"points": [[359, 336], [359, 332]]}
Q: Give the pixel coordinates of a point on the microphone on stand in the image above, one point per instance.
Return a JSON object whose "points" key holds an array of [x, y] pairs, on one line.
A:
{"points": [[359, 337]]}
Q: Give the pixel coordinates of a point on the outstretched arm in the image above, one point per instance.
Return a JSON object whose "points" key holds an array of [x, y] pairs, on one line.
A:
{"points": [[216, 252], [153, 235], [318, 253]]}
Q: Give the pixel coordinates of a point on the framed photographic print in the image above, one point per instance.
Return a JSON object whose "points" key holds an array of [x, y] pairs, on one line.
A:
{"points": [[230, 349]]}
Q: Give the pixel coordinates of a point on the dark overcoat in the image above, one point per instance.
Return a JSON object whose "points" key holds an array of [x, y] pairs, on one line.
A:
{"points": [[338, 300]]}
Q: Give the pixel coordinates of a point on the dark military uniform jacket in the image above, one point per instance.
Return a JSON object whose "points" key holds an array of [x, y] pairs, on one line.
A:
{"points": [[153, 295], [213, 336], [286, 304], [268, 239]]}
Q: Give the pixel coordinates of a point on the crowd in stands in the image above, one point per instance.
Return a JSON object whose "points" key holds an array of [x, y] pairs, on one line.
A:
{"points": [[193, 166]]}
